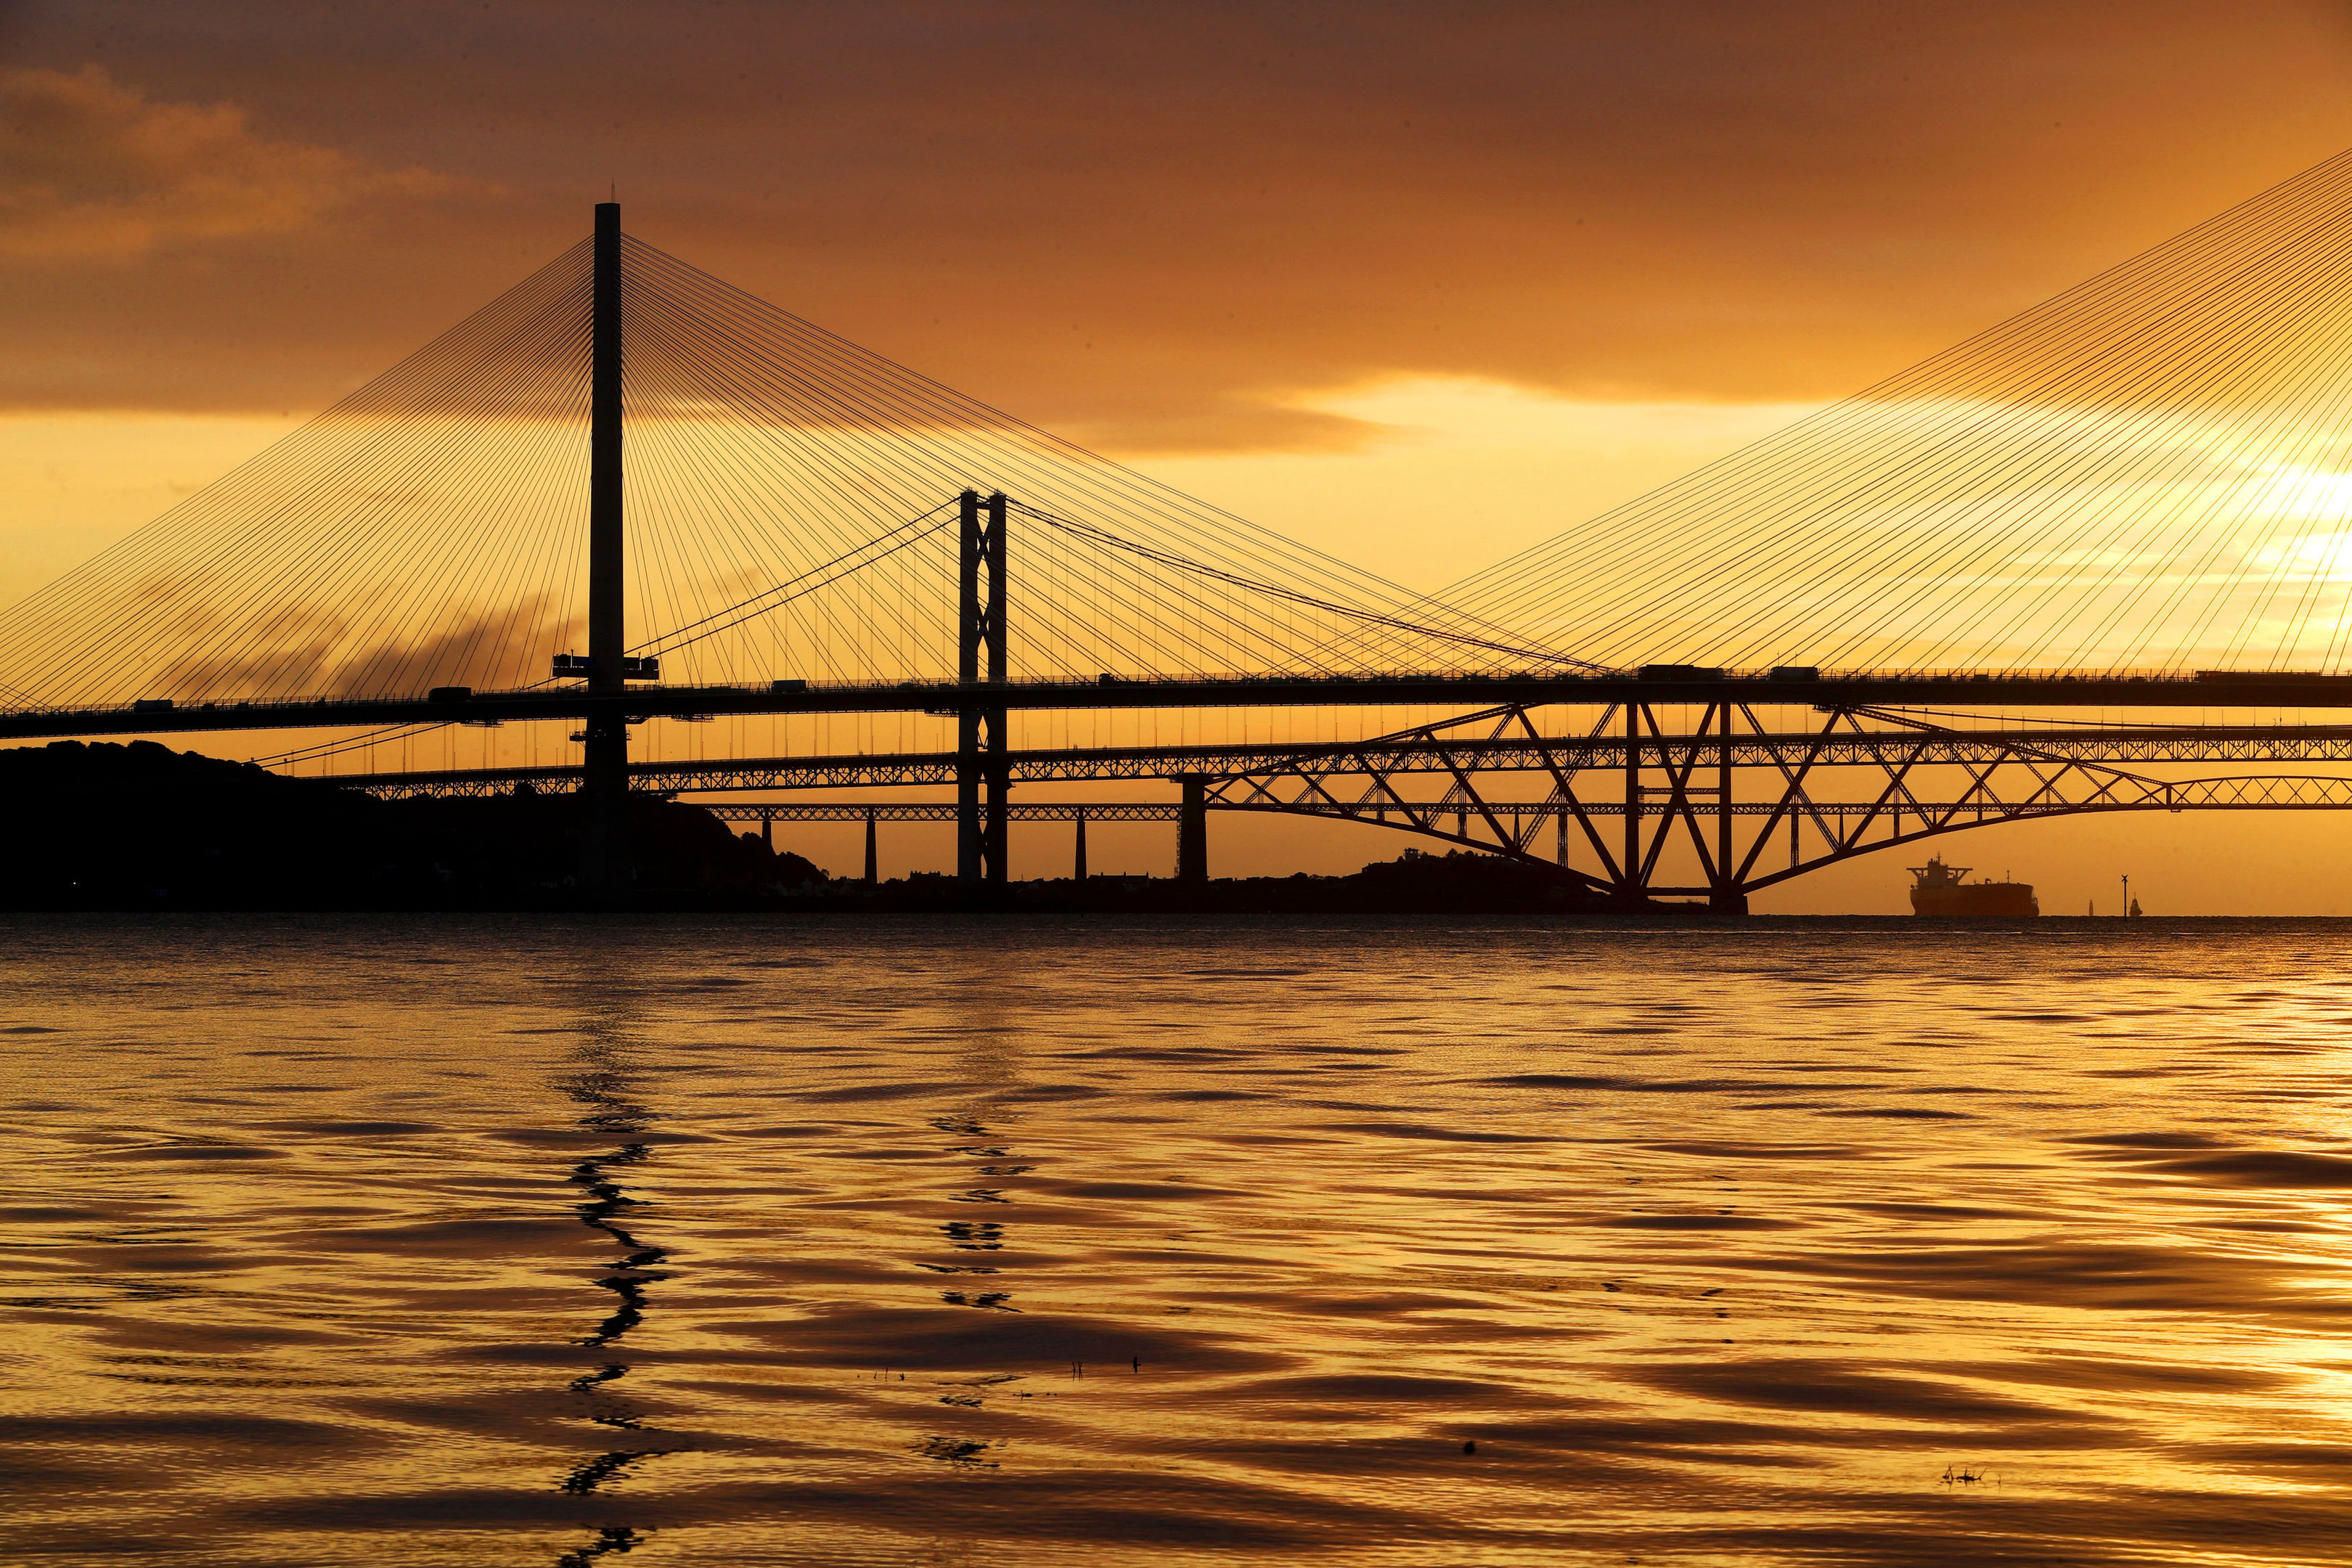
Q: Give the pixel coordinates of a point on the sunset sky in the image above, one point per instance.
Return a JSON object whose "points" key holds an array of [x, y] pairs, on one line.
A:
{"points": [[1343, 269]]}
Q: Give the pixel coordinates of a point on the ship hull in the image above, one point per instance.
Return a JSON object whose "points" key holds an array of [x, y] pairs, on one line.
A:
{"points": [[1981, 900]]}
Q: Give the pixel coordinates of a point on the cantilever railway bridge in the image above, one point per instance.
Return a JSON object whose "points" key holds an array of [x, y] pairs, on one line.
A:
{"points": [[1927, 608]]}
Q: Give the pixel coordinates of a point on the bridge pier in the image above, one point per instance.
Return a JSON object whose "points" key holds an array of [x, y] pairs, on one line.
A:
{"points": [[1078, 855], [1725, 890], [873, 857], [1193, 832], [605, 861], [1631, 881]]}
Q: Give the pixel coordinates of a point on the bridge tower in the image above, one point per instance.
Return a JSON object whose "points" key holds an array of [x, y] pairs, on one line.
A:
{"points": [[605, 859], [984, 770]]}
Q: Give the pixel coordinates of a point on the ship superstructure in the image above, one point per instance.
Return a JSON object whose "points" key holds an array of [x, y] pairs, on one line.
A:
{"points": [[1941, 890]]}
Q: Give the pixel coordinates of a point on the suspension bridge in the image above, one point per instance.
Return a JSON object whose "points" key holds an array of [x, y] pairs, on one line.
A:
{"points": [[624, 500]]}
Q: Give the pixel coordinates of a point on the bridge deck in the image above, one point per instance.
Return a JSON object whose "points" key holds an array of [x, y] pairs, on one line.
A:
{"points": [[1943, 688], [2273, 794], [2241, 744]]}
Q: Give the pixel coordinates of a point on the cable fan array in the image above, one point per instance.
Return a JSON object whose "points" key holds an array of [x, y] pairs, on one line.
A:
{"points": [[423, 529], [791, 505], [810, 486], [2153, 469]]}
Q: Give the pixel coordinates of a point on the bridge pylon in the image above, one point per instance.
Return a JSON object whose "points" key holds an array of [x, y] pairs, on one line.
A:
{"points": [[605, 859]]}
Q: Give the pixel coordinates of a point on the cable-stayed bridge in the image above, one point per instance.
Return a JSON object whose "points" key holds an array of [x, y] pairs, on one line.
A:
{"points": [[625, 496]]}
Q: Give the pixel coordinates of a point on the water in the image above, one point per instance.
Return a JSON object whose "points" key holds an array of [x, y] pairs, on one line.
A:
{"points": [[723, 1242]]}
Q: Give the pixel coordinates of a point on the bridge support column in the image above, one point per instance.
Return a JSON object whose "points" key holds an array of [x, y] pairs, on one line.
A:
{"points": [[1078, 857], [1193, 832], [967, 818], [604, 861], [605, 865], [1723, 871], [996, 837], [983, 771], [1726, 899], [1629, 887], [873, 858]]}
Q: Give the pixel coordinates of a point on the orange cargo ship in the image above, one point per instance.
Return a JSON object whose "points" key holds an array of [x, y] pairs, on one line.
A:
{"points": [[1939, 891]]}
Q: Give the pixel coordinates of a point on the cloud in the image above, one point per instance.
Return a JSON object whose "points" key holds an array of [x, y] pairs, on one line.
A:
{"points": [[1162, 228], [94, 171]]}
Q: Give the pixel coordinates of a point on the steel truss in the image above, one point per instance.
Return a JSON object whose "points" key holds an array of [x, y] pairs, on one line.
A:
{"points": [[1634, 807], [1678, 792], [1405, 754], [1848, 823]]}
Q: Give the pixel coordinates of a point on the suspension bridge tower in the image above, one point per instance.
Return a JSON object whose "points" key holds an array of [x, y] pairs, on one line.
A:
{"points": [[983, 771]]}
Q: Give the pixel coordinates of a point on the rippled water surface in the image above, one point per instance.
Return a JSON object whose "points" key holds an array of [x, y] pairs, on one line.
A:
{"points": [[720, 1242]]}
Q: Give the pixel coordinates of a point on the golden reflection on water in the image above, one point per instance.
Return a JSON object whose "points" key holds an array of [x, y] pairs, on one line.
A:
{"points": [[724, 1242]]}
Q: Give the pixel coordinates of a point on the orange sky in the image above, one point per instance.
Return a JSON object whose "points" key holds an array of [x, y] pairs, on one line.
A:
{"points": [[1324, 263], [1150, 227]]}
